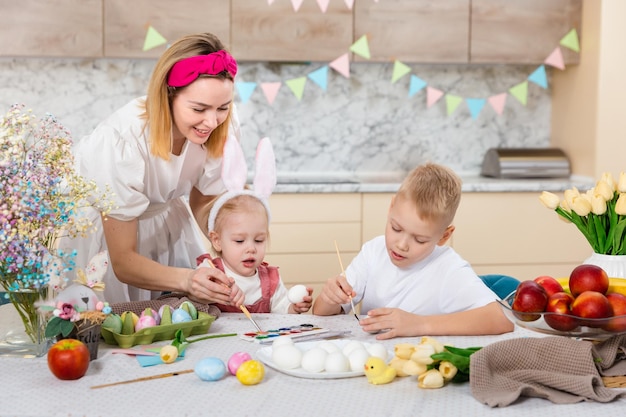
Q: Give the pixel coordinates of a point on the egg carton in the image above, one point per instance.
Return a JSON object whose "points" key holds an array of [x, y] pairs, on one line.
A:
{"points": [[152, 334]]}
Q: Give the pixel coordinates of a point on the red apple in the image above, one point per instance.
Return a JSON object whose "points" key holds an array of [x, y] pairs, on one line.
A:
{"points": [[68, 359], [588, 278], [549, 284], [530, 297], [592, 305], [559, 314], [618, 322]]}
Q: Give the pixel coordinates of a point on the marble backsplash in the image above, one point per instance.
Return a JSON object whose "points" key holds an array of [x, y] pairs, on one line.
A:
{"points": [[362, 124]]}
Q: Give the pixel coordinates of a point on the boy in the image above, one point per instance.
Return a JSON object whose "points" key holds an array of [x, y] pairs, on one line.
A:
{"points": [[409, 283]]}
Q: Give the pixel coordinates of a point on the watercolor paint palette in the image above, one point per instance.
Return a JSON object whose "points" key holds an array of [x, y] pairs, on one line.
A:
{"points": [[295, 332]]}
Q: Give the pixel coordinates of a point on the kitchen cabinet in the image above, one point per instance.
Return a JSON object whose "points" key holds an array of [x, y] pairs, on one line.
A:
{"points": [[126, 22], [521, 31], [51, 28], [414, 30], [262, 32], [303, 230]]}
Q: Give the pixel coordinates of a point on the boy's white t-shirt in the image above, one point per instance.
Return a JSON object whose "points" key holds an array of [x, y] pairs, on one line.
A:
{"points": [[251, 287], [440, 284]]}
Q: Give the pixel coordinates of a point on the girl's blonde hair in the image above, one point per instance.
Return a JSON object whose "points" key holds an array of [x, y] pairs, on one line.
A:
{"points": [[435, 190], [158, 103]]}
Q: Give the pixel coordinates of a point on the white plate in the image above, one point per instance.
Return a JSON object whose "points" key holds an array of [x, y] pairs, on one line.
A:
{"points": [[265, 356]]}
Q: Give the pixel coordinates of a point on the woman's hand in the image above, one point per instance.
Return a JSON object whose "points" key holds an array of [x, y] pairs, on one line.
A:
{"points": [[210, 285]]}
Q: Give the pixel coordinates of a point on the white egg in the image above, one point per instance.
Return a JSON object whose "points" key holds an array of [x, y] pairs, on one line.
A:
{"points": [[336, 362], [314, 360], [357, 359], [297, 293], [352, 345], [287, 357], [329, 346], [282, 341], [377, 349]]}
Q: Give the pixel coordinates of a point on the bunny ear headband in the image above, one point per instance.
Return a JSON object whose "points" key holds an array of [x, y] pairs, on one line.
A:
{"points": [[235, 173]]}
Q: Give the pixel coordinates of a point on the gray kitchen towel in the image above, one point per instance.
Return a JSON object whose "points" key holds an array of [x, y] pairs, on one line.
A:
{"points": [[560, 369]]}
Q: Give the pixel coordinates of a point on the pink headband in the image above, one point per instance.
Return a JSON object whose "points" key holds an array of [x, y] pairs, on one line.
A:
{"points": [[185, 71]]}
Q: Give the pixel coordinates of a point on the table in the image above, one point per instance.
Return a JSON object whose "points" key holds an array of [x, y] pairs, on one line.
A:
{"points": [[29, 389]]}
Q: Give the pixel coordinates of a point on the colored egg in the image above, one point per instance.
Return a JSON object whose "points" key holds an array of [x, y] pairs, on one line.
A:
{"points": [[145, 321], [190, 308], [251, 372], [297, 293], [236, 360], [210, 369], [180, 316], [151, 312], [113, 322]]}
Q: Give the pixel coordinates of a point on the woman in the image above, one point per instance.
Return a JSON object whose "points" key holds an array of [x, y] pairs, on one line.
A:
{"points": [[154, 153]]}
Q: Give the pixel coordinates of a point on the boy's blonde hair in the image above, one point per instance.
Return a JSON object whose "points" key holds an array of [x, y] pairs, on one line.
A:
{"points": [[435, 190], [158, 103]]}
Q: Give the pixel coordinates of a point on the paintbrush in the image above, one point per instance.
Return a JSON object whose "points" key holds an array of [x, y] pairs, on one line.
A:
{"points": [[145, 378], [343, 272], [242, 307]]}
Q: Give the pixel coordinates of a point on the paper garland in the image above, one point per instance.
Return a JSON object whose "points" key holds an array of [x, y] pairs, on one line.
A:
{"points": [[416, 84]]}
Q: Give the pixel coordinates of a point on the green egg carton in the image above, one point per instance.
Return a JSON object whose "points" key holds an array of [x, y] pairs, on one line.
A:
{"points": [[148, 335]]}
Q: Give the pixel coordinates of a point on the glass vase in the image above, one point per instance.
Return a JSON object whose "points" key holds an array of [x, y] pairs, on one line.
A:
{"points": [[22, 326], [613, 265]]}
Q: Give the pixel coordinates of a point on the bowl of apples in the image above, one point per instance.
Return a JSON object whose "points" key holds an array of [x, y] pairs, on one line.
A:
{"points": [[587, 304]]}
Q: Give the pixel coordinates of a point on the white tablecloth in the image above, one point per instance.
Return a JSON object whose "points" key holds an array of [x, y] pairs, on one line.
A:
{"points": [[27, 388]]}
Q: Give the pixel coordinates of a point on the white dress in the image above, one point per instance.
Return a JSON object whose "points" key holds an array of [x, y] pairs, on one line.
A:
{"points": [[148, 188]]}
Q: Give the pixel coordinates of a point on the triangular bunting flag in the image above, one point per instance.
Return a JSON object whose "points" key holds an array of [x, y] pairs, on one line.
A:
{"points": [[269, 2], [432, 96], [296, 5], [571, 41], [320, 76], [245, 90], [349, 3], [555, 59], [270, 90], [361, 47], [153, 39], [475, 106], [539, 77], [415, 85], [520, 92], [497, 102], [452, 102], [341, 65], [296, 85], [399, 71], [323, 5]]}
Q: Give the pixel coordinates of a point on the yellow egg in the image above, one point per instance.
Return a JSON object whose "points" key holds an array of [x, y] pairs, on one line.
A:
{"points": [[168, 353], [250, 372]]}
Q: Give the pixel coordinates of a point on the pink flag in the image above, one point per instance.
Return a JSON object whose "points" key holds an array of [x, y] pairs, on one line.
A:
{"points": [[497, 102], [555, 59], [341, 65], [349, 3], [323, 4], [432, 96], [296, 4], [270, 90]]}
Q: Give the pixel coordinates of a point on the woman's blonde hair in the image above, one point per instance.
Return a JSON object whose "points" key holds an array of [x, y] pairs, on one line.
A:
{"points": [[435, 190], [158, 104]]}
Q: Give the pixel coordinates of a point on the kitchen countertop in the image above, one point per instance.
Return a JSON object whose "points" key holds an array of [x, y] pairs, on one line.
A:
{"points": [[389, 182]]}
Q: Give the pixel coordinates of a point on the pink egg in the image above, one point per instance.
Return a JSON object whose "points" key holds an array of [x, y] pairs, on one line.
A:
{"points": [[236, 360], [145, 321]]}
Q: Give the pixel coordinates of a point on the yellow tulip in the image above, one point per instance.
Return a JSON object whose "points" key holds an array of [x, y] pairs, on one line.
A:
{"points": [[608, 178], [621, 186], [432, 341], [620, 206], [422, 353], [570, 194], [598, 204], [549, 200], [580, 205], [447, 370], [605, 190], [430, 379]]}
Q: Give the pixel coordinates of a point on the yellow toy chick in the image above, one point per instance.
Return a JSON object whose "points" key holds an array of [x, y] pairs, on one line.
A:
{"points": [[378, 372]]}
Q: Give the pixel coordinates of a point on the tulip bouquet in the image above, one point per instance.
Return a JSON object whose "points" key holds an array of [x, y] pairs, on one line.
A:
{"points": [[600, 213]]}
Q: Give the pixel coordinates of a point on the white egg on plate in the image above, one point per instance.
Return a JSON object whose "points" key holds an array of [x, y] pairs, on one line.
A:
{"points": [[329, 346], [377, 349], [297, 293], [352, 345], [314, 360], [287, 356], [336, 362], [357, 359], [282, 341]]}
